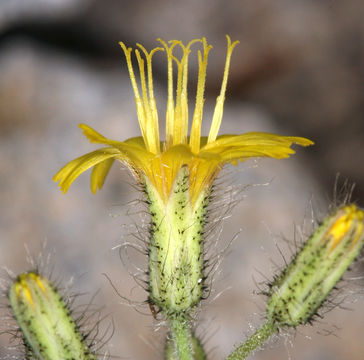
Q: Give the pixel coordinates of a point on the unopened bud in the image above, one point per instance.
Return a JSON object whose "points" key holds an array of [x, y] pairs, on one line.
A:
{"points": [[297, 293], [48, 329]]}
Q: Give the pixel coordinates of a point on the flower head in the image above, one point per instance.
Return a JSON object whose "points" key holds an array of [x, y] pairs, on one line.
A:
{"points": [[160, 161]]}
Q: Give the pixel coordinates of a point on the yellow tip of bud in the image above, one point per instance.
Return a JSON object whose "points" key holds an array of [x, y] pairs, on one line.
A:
{"points": [[25, 282], [349, 216]]}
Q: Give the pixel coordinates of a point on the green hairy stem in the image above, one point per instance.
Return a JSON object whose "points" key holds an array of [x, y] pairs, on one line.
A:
{"points": [[253, 343], [185, 342]]}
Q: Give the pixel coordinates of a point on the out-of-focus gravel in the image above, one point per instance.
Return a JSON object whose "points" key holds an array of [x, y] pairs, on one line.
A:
{"points": [[289, 76]]}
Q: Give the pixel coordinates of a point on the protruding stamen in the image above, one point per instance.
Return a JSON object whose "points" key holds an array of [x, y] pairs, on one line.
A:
{"points": [[147, 111], [170, 101], [138, 100], [197, 115], [219, 107], [153, 124], [177, 126], [184, 98], [180, 131]]}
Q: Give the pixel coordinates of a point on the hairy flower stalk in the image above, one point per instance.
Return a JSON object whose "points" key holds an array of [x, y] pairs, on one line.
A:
{"points": [[193, 341], [177, 173], [297, 294], [48, 329]]}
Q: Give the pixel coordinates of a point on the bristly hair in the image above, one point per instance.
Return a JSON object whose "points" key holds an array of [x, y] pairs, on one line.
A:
{"points": [[224, 196], [338, 298], [342, 193], [88, 317]]}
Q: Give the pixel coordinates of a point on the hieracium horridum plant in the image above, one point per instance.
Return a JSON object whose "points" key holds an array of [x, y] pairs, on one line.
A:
{"points": [[177, 172]]}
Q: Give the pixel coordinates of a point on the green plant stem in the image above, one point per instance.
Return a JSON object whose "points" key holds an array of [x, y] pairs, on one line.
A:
{"points": [[198, 350], [181, 337], [254, 342]]}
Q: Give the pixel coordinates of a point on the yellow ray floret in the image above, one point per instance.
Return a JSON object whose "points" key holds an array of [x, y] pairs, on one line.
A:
{"points": [[160, 161]]}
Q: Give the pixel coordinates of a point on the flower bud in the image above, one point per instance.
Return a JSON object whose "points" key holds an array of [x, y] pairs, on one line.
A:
{"points": [[48, 329], [298, 292]]}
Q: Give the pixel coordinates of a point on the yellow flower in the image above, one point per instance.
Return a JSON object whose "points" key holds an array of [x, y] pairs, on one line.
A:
{"points": [[160, 161]]}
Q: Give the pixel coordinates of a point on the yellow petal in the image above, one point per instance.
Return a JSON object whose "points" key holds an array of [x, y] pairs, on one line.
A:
{"points": [[131, 153], [137, 141], [99, 173], [93, 135], [231, 148], [74, 168], [257, 139]]}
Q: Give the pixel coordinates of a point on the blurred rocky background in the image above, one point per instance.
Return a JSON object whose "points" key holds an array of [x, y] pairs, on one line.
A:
{"points": [[298, 70]]}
